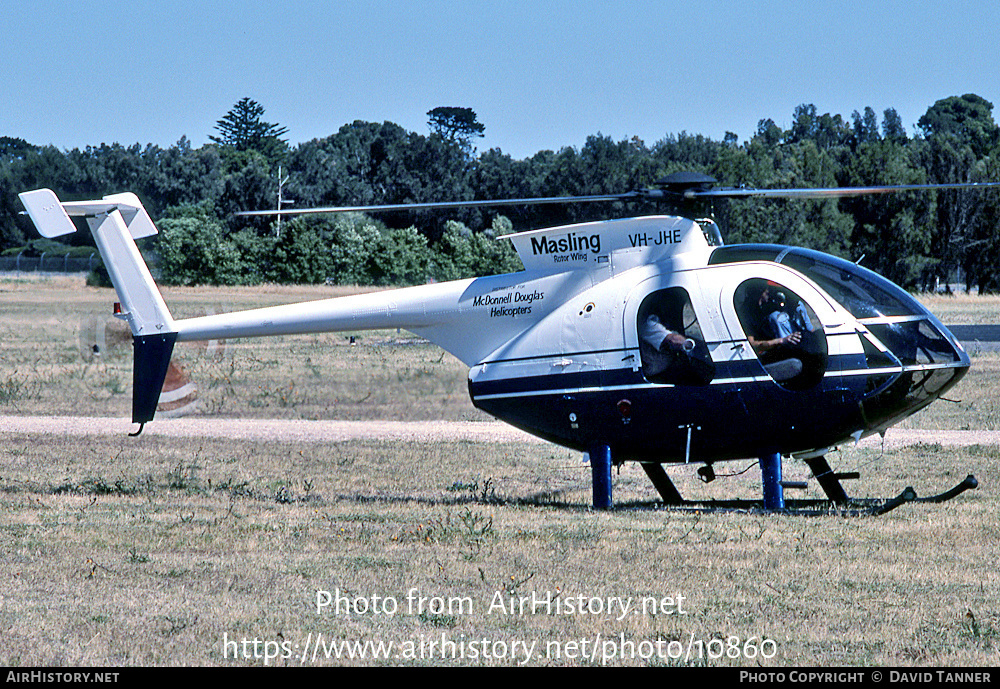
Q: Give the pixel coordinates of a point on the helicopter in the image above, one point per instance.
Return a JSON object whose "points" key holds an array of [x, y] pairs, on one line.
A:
{"points": [[644, 339]]}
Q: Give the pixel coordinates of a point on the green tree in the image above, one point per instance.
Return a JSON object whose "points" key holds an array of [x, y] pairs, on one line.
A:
{"points": [[960, 139], [181, 175], [367, 163], [982, 259], [353, 238], [456, 125], [461, 253], [968, 118], [960, 213], [892, 231], [892, 125], [251, 187], [865, 126], [769, 133], [828, 131], [194, 249], [12, 155], [302, 253], [401, 257], [243, 129]]}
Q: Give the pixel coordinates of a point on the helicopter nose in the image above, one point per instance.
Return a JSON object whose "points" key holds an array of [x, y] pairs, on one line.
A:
{"points": [[928, 359], [919, 341]]}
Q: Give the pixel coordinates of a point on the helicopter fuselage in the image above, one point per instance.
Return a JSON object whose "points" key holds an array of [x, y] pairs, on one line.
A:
{"points": [[642, 339], [774, 350], [557, 350]]}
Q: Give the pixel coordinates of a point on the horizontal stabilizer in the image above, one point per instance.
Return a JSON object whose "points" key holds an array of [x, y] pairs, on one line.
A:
{"points": [[51, 216], [136, 218], [47, 213]]}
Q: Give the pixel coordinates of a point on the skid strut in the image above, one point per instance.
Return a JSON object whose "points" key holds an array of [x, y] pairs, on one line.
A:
{"points": [[770, 474], [600, 468], [664, 486], [830, 481]]}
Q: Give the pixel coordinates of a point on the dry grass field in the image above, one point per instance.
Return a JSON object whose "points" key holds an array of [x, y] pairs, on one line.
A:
{"points": [[199, 551]]}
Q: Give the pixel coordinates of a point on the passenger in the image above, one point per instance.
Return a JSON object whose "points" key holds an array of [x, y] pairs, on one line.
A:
{"points": [[660, 346]]}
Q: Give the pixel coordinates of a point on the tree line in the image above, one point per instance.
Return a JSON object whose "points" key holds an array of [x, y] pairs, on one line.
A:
{"points": [[915, 239]]}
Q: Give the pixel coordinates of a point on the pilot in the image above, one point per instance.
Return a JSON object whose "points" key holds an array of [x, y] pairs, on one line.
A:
{"points": [[765, 332], [800, 318], [771, 331]]}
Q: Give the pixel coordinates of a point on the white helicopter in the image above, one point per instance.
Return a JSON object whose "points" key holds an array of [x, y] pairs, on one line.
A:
{"points": [[643, 339]]}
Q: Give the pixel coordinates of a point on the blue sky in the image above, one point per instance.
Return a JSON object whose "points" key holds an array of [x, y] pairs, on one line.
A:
{"points": [[540, 75]]}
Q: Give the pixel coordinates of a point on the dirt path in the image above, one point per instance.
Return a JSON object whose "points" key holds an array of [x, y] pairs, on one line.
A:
{"points": [[271, 429], [428, 431]]}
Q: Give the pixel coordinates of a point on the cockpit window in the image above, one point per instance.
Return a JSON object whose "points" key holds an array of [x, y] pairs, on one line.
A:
{"points": [[862, 292], [784, 332], [915, 342], [671, 344]]}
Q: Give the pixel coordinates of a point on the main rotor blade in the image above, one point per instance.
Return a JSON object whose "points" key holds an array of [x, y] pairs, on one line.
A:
{"points": [[647, 194], [446, 204], [830, 192]]}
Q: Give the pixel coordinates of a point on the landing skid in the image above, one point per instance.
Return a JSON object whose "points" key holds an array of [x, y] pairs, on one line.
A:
{"points": [[805, 508], [838, 502]]}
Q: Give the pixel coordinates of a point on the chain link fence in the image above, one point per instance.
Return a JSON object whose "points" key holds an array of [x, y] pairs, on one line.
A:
{"points": [[49, 263]]}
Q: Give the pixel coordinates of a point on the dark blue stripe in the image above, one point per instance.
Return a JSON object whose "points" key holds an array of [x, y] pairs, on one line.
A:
{"points": [[724, 370], [557, 381], [622, 350]]}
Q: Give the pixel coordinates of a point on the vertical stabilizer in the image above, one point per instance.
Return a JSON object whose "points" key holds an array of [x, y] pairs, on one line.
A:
{"points": [[149, 369]]}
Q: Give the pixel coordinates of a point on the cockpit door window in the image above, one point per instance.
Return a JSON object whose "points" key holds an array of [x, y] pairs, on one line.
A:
{"points": [[672, 347], [784, 332]]}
